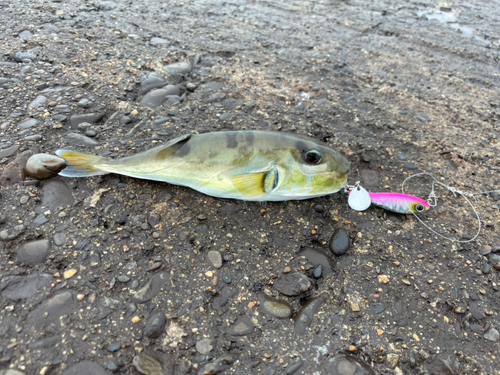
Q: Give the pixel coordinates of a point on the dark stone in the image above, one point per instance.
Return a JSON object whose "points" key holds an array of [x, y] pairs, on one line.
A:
{"points": [[318, 257], [111, 366], [125, 120], [5, 153], [443, 364], [318, 271], [90, 133], [410, 166], [305, 316], [158, 41], [22, 56], [218, 366], [276, 307], [172, 90], [412, 360], [114, 347], [34, 252], [495, 261], [47, 342], [346, 364], [16, 288], [486, 268], [106, 5], [76, 139], [292, 369], [91, 118], [214, 85], [27, 124], [154, 98], [15, 172], [226, 293], [107, 306], [151, 363], [85, 368], [55, 193], [62, 303], [152, 81], [39, 101], [242, 327], [40, 220], [292, 284], [26, 34], [339, 242], [376, 308], [476, 313], [155, 325], [423, 117], [178, 68], [152, 288], [225, 117]]}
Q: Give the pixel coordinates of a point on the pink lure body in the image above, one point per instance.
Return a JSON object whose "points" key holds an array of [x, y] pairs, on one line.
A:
{"points": [[400, 203]]}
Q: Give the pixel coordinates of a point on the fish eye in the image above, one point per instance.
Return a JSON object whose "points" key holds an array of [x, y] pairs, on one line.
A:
{"points": [[312, 157], [420, 207]]}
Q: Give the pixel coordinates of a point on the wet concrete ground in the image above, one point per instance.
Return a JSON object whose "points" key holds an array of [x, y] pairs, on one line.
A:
{"points": [[142, 277]]}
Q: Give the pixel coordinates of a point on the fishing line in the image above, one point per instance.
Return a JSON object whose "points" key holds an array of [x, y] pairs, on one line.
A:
{"points": [[433, 201]]}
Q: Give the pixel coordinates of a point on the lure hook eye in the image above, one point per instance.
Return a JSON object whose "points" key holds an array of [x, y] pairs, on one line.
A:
{"points": [[420, 207]]}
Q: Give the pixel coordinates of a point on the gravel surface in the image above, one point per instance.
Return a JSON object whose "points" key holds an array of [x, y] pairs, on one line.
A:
{"points": [[112, 274]]}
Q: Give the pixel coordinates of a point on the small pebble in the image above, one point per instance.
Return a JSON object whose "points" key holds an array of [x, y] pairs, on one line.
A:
{"points": [[68, 274], [115, 347], [492, 335], [136, 319], [383, 279], [339, 242], [318, 271], [190, 86], [215, 258], [123, 278], [112, 366], [276, 307]]}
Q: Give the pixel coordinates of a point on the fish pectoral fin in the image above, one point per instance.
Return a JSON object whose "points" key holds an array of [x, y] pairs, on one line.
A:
{"points": [[171, 147], [250, 185]]}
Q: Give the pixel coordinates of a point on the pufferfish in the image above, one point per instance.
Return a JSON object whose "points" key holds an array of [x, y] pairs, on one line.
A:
{"points": [[245, 165]]}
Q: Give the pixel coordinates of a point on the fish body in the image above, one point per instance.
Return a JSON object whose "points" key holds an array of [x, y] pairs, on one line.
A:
{"points": [[400, 203], [246, 165]]}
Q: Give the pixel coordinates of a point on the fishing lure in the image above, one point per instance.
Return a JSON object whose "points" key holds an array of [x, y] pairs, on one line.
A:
{"points": [[397, 202], [400, 203], [360, 200]]}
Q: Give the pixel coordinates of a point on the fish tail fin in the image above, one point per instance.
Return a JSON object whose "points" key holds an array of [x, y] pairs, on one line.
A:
{"points": [[79, 164]]}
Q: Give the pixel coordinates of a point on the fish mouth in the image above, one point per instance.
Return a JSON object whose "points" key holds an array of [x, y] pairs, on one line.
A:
{"points": [[343, 178]]}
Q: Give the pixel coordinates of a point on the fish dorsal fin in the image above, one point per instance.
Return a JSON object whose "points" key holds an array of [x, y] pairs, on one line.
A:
{"points": [[171, 147], [255, 185]]}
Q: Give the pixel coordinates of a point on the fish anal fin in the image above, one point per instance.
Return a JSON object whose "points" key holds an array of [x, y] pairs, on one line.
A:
{"points": [[250, 185], [172, 147]]}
